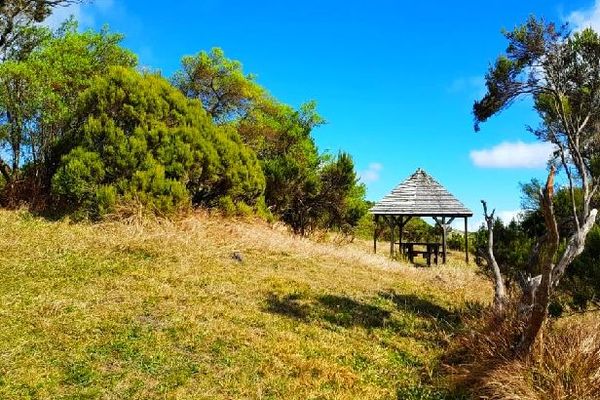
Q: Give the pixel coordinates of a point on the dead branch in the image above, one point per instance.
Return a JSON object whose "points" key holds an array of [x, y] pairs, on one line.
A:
{"points": [[500, 295]]}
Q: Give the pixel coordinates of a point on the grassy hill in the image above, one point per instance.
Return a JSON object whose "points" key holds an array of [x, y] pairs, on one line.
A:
{"points": [[163, 310]]}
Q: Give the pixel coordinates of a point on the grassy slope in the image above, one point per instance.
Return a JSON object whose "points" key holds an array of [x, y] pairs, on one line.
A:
{"points": [[116, 311]]}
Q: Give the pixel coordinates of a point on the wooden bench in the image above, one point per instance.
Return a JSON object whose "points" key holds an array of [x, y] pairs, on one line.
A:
{"points": [[431, 249]]}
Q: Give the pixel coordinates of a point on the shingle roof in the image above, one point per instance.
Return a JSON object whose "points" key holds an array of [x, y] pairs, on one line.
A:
{"points": [[421, 195]]}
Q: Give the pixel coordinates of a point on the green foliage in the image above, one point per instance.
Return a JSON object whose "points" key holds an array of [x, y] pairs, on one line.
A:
{"points": [[39, 91], [582, 280], [365, 226], [220, 84], [227, 206], [456, 241], [156, 148], [560, 70], [95, 134], [19, 19], [303, 188], [579, 288], [417, 230], [512, 247], [106, 199], [79, 177], [341, 197], [511, 76]]}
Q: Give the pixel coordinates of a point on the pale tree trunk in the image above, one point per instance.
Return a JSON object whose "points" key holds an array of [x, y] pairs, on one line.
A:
{"points": [[548, 249], [551, 272], [500, 295]]}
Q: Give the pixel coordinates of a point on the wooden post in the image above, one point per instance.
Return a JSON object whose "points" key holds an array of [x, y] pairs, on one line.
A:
{"points": [[392, 228], [376, 219], [466, 242], [400, 231], [443, 240]]}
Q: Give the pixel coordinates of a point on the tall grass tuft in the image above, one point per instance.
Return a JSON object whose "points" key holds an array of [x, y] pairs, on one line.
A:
{"points": [[565, 363]]}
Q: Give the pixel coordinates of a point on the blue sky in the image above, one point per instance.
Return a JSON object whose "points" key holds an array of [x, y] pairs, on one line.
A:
{"points": [[394, 80]]}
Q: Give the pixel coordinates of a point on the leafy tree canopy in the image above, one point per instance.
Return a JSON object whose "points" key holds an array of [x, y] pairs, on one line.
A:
{"points": [[300, 184], [18, 19], [219, 83], [38, 93]]}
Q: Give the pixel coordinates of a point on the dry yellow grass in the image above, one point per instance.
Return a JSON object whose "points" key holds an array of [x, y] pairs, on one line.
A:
{"points": [[565, 366], [116, 311]]}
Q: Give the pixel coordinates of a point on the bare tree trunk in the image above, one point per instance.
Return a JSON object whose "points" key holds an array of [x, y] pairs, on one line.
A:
{"points": [[551, 272], [548, 250], [500, 296]]}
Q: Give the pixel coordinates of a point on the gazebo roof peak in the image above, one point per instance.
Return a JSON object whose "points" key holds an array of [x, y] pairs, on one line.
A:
{"points": [[420, 195]]}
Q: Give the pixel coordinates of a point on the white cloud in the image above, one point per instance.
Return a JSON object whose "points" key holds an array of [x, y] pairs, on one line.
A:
{"points": [[585, 18], [513, 155], [371, 174], [471, 85], [61, 14], [84, 13]]}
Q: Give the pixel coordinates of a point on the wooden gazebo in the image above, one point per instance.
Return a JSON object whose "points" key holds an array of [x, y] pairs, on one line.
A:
{"points": [[419, 196]]}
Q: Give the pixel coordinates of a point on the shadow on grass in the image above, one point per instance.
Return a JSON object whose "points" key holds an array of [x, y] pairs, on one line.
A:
{"points": [[338, 310], [423, 307], [291, 305], [347, 312]]}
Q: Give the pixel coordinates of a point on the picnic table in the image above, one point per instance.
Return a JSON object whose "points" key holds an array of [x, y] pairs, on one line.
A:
{"points": [[412, 249]]}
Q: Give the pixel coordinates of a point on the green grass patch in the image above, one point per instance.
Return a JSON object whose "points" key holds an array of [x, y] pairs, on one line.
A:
{"points": [[164, 311]]}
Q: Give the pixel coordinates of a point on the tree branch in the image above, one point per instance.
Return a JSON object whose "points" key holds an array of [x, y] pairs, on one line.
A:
{"points": [[500, 296]]}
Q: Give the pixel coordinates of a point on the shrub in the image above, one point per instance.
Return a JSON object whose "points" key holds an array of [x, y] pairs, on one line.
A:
{"points": [[106, 198], [567, 368], [151, 145], [227, 206], [456, 241], [243, 209], [76, 181], [582, 280]]}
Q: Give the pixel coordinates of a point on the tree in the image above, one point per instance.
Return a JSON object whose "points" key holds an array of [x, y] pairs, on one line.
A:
{"points": [[341, 195], [18, 18], [562, 73], [298, 178], [226, 93], [19, 104], [38, 96]]}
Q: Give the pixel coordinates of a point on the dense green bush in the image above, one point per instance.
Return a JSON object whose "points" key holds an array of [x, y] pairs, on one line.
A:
{"points": [[141, 140], [456, 241]]}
